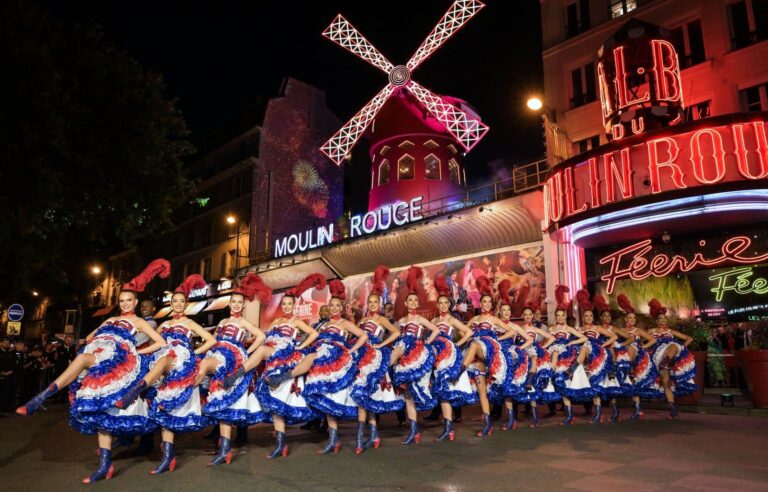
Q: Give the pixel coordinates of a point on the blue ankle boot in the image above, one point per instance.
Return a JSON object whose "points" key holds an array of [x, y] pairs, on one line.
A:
{"points": [[511, 422], [281, 448], [568, 415], [487, 426], [673, 411], [225, 453], [637, 414], [333, 445], [131, 395], [596, 419], [168, 463], [35, 403], [360, 440], [374, 441], [105, 469], [414, 434], [615, 414], [534, 417], [274, 380], [448, 432]]}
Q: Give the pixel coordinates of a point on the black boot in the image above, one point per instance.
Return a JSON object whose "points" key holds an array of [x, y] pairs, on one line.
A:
{"points": [[105, 469]]}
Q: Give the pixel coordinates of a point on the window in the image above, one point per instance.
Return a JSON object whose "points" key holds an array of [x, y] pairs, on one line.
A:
{"points": [[584, 145], [431, 144], [432, 167], [577, 17], [697, 111], [206, 268], [453, 149], [405, 167], [754, 99], [231, 256], [223, 265], [454, 172], [383, 172], [748, 22], [583, 85], [621, 7], [406, 144], [689, 43], [384, 150]]}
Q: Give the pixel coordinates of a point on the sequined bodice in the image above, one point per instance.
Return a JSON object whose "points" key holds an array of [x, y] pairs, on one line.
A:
{"points": [[127, 324], [330, 327], [284, 330], [176, 329], [230, 331], [411, 329], [372, 328], [445, 328]]}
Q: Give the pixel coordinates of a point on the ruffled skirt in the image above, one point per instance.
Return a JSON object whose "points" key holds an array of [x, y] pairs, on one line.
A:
{"points": [[577, 386], [372, 388], [328, 386], [682, 369], [286, 400], [447, 367], [496, 364], [413, 371]]}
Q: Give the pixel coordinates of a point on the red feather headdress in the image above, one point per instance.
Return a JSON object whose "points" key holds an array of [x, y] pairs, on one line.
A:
{"points": [[380, 275], [532, 305], [504, 287], [194, 281], [415, 274], [337, 289], [601, 304], [159, 267], [624, 303], [582, 297], [656, 308], [253, 287], [560, 292], [441, 285], [483, 285], [313, 280]]}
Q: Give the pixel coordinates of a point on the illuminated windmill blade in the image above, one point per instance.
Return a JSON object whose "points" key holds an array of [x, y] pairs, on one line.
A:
{"points": [[345, 35], [467, 130], [339, 145], [458, 15]]}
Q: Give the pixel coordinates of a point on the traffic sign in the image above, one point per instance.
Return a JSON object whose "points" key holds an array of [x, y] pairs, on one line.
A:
{"points": [[15, 312], [14, 328]]}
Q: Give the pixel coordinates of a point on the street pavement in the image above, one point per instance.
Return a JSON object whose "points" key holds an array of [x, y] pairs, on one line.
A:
{"points": [[697, 452]]}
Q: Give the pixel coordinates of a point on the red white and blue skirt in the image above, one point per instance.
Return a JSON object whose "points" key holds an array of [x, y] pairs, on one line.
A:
{"points": [[176, 402], [643, 374], [542, 378], [496, 363], [598, 364], [576, 387], [620, 384], [372, 388], [287, 399], [517, 372], [449, 382], [682, 368], [237, 405], [413, 370], [118, 368], [328, 386]]}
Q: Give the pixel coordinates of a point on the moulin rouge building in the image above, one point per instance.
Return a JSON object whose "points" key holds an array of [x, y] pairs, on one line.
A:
{"points": [[657, 141]]}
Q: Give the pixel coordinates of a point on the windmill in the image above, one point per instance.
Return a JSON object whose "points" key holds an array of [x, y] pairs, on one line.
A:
{"points": [[409, 109]]}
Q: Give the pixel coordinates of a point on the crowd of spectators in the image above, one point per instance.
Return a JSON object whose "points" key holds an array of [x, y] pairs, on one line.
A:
{"points": [[28, 366]]}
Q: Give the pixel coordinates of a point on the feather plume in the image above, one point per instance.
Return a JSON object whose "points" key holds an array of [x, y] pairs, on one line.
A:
{"points": [[313, 280], [194, 281], [624, 303], [159, 267]]}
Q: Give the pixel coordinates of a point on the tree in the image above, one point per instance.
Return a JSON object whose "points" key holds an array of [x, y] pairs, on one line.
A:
{"points": [[90, 157]]}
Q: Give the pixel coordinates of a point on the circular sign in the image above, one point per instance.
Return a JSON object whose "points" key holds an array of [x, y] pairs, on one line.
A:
{"points": [[15, 312]]}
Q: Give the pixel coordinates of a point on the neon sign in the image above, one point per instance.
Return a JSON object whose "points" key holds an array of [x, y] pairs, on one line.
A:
{"points": [[634, 263], [739, 282], [380, 219], [657, 164]]}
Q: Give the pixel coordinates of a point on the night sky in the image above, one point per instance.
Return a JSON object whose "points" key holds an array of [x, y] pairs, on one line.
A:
{"points": [[223, 61]]}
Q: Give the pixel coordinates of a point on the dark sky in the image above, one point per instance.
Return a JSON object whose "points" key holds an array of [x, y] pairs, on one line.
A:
{"points": [[220, 60]]}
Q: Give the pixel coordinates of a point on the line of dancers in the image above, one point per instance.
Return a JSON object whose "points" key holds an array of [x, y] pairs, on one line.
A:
{"points": [[292, 373]]}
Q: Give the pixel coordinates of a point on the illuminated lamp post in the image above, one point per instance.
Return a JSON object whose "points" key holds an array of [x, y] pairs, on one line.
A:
{"points": [[555, 139], [233, 220]]}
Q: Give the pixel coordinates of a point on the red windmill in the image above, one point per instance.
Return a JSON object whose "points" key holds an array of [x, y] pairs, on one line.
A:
{"points": [[416, 129]]}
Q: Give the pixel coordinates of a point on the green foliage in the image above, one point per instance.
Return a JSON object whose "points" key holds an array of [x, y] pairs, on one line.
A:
{"points": [[91, 152], [760, 336], [696, 329]]}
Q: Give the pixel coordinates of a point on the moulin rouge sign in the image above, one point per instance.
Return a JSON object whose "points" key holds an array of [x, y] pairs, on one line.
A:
{"points": [[641, 96]]}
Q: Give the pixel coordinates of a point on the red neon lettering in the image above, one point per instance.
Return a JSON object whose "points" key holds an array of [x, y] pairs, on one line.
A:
{"points": [[742, 156], [638, 267], [718, 155], [617, 132], [594, 182], [621, 81], [666, 69], [570, 194], [605, 93], [622, 177], [654, 164], [554, 193], [638, 126]]}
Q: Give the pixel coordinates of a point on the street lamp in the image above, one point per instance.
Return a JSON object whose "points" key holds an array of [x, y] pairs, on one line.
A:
{"points": [[35, 293], [231, 219], [534, 104], [556, 140], [95, 270]]}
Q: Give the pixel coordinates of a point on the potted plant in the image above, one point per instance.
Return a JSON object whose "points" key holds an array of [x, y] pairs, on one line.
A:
{"points": [[753, 361], [699, 331]]}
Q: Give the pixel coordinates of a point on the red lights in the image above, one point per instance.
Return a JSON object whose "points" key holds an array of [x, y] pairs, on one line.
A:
{"points": [[633, 263], [636, 167]]}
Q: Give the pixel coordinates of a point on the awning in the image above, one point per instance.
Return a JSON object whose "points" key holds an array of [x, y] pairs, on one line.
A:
{"points": [[195, 307], [218, 303], [103, 311], [163, 312]]}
